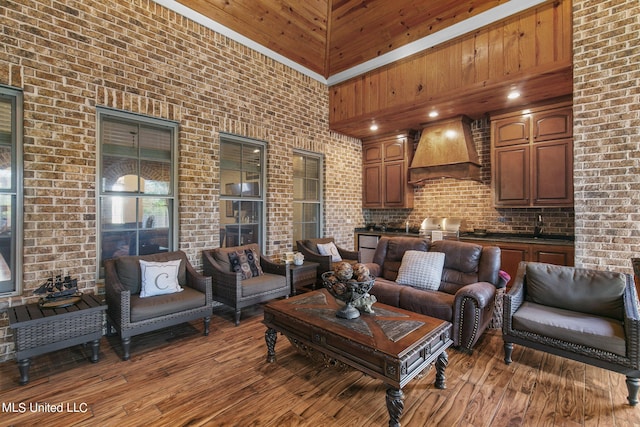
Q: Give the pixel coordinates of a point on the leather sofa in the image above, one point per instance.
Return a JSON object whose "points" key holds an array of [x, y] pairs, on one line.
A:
{"points": [[467, 288]]}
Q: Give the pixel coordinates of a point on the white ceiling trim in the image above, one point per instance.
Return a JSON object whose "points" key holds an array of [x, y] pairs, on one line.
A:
{"points": [[474, 23]]}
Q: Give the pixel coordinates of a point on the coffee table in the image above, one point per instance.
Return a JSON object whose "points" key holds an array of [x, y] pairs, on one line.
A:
{"points": [[393, 345]]}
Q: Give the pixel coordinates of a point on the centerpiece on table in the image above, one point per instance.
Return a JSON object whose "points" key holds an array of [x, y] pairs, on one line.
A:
{"points": [[351, 285], [58, 293]]}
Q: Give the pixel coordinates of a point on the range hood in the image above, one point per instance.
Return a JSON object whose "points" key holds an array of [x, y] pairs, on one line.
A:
{"points": [[446, 150]]}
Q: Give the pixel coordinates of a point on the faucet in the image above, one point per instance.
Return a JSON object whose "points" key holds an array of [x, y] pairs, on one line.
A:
{"points": [[537, 230]]}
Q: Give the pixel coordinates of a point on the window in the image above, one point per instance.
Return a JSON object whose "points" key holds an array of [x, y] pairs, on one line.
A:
{"points": [[137, 184], [307, 196], [10, 190], [241, 191]]}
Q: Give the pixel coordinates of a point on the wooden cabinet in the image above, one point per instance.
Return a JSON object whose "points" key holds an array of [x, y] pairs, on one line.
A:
{"points": [[385, 168], [512, 253], [533, 157]]}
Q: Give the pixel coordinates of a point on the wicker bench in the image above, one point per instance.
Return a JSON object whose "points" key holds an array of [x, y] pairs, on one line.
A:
{"points": [[40, 330]]}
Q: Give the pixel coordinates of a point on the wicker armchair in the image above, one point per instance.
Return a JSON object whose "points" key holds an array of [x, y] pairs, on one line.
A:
{"points": [[231, 289], [309, 248], [586, 315], [132, 315]]}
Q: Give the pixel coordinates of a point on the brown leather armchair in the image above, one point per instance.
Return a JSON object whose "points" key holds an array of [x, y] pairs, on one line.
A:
{"points": [[467, 288], [586, 315], [132, 315], [309, 248]]}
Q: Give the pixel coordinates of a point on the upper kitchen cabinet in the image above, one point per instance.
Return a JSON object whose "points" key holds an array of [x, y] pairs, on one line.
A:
{"points": [[385, 162], [532, 157]]}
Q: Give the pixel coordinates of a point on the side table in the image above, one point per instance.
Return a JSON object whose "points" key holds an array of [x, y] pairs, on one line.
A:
{"points": [[40, 330], [303, 275]]}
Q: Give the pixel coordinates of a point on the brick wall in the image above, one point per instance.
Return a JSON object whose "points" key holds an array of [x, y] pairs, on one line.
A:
{"points": [[473, 201], [606, 57], [71, 56]]}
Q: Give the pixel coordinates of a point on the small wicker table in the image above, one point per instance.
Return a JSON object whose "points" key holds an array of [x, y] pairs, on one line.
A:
{"points": [[303, 275], [40, 330]]}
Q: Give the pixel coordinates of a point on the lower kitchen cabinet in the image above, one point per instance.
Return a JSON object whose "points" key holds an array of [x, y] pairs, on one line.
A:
{"points": [[512, 253]]}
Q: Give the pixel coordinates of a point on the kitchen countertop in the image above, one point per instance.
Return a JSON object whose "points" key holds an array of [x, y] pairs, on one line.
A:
{"points": [[545, 239]]}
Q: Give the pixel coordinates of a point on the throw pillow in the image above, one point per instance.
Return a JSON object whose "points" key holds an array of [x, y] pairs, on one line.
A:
{"points": [[240, 263], [254, 262], [246, 262], [329, 249], [421, 269], [159, 278]]}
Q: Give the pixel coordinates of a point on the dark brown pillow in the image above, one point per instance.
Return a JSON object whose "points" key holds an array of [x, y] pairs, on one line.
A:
{"points": [[246, 262]]}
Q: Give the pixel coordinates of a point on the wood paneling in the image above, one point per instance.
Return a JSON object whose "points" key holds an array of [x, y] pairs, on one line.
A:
{"points": [[330, 36], [364, 30], [295, 29], [470, 75]]}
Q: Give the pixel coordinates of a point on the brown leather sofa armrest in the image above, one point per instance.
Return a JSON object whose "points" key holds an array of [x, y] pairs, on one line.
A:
{"points": [[482, 293], [374, 269]]}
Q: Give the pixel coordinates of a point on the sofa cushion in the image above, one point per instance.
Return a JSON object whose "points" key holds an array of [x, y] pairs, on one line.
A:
{"points": [[571, 326], [128, 268], [430, 303], [161, 305], [421, 269], [396, 247], [582, 290], [159, 278]]}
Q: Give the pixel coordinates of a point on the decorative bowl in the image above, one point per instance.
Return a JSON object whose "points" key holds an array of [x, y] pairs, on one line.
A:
{"points": [[349, 292]]}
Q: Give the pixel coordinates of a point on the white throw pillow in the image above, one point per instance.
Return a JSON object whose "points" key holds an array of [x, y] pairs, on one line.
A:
{"points": [[159, 278], [421, 269], [329, 249]]}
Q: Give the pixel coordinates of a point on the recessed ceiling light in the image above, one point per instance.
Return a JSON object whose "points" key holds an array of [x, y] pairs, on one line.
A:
{"points": [[513, 94], [433, 114], [373, 127]]}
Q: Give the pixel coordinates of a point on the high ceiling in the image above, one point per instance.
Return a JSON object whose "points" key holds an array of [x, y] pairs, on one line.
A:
{"points": [[331, 36]]}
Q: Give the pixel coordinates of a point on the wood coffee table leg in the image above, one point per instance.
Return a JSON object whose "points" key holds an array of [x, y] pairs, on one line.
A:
{"points": [[270, 336], [395, 406], [441, 363]]}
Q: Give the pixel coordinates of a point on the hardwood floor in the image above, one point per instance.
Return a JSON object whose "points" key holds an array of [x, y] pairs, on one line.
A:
{"points": [[179, 377]]}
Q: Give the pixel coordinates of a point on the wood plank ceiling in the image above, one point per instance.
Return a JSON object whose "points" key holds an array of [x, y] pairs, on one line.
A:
{"points": [[330, 36]]}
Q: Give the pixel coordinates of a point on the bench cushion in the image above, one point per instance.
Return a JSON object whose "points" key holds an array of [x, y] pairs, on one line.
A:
{"points": [[588, 330]]}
